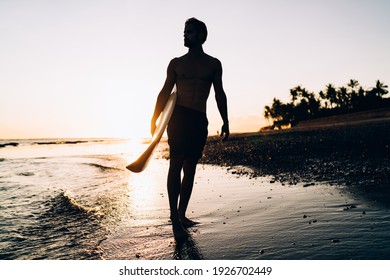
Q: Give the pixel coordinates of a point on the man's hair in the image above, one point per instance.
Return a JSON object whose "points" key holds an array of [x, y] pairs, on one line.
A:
{"points": [[200, 27]]}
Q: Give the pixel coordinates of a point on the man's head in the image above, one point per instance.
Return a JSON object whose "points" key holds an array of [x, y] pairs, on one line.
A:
{"points": [[194, 31]]}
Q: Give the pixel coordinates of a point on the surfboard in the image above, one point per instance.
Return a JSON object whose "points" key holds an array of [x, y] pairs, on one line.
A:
{"points": [[140, 164]]}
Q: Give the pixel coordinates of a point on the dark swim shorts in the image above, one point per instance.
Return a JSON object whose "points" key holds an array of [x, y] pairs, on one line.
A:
{"points": [[187, 132]]}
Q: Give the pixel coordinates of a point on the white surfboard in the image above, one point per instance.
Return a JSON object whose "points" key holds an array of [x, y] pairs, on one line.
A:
{"points": [[140, 164]]}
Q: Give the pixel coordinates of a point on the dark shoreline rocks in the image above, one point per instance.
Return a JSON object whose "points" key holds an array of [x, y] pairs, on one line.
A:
{"points": [[356, 156]]}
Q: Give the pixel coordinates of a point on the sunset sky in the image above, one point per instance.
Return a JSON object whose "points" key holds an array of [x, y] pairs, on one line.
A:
{"points": [[90, 68]]}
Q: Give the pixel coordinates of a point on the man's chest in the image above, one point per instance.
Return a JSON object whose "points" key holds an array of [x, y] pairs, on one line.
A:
{"points": [[188, 70]]}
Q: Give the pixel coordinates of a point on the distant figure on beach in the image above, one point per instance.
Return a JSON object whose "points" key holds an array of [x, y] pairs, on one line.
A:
{"points": [[193, 74]]}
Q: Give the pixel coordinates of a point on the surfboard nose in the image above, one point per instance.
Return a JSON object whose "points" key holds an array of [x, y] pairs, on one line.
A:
{"points": [[140, 164]]}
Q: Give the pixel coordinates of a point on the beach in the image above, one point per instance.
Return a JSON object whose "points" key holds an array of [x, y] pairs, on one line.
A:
{"points": [[355, 155], [243, 218], [304, 194]]}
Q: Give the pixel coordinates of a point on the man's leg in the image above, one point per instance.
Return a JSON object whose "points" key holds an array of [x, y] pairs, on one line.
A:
{"points": [[189, 168], [174, 186]]}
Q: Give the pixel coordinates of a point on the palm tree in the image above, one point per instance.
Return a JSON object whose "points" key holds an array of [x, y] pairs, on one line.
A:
{"points": [[304, 104], [282, 114], [324, 99], [374, 97], [267, 113], [353, 84], [314, 104], [380, 89], [354, 96], [344, 98], [297, 93], [331, 95], [361, 92], [294, 94]]}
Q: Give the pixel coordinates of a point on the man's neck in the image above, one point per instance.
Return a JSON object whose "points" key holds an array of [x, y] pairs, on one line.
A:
{"points": [[196, 51]]}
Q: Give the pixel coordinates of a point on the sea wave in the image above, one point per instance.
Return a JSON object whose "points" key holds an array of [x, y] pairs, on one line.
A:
{"points": [[63, 203], [12, 144], [58, 227], [27, 173], [4, 144], [61, 142], [74, 230], [59, 200], [66, 142], [103, 167]]}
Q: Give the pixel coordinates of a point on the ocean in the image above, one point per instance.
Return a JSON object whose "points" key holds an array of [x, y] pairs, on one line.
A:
{"points": [[61, 198]]}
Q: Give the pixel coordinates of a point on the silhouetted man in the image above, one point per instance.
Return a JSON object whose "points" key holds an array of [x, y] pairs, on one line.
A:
{"points": [[193, 74]]}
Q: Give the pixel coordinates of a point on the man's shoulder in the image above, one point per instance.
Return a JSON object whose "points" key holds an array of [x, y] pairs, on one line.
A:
{"points": [[211, 57], [215, 62], [184, 58], [174, 60], [173, 63], [178, 58]]}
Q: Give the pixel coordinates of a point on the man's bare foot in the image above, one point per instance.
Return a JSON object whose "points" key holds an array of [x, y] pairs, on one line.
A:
{"points": [[187, 223], [179, 231]]}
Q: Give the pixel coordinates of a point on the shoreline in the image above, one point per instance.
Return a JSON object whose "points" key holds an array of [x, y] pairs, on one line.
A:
{"points": [[85, 205], [249, 219], [351, 155]]}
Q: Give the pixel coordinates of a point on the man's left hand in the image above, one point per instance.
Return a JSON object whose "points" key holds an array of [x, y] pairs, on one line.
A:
{"points": [[225, 132]]}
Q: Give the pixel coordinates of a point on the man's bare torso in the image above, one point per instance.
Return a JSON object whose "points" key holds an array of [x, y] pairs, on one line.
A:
{"points": [[194, 77]]}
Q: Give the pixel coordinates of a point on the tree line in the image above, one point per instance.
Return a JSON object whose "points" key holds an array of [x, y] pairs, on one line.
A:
{"points": [[305, 105]]}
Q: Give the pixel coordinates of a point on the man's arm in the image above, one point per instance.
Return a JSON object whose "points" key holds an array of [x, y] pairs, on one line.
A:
{"points": [[221, 99], [164, 94]]}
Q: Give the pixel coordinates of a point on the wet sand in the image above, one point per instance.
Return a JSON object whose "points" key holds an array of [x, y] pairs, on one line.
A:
{"points": [[249, 218]]}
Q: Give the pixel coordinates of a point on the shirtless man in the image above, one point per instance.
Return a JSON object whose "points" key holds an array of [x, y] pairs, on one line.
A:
{"points": [[193, 74]]}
